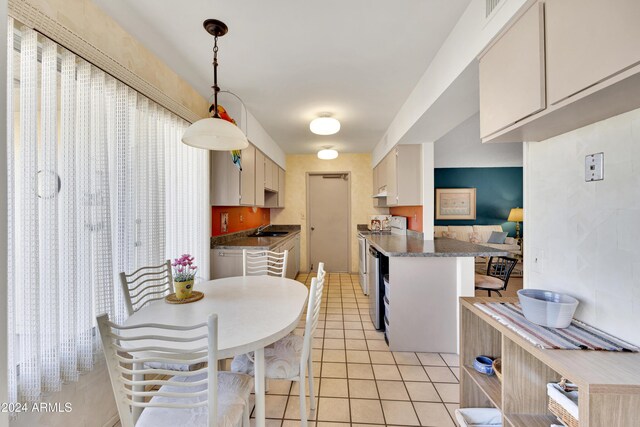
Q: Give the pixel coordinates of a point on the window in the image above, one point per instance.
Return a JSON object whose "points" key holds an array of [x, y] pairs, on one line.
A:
{"points": [[99, 183]]}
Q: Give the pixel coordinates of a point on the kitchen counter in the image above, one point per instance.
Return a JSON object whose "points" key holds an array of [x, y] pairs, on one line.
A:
{"points": [[241, 240], [394, 245]]}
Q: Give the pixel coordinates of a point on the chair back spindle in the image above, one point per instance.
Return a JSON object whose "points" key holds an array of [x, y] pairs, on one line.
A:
{"points": [[145, 285], [261, 263]]}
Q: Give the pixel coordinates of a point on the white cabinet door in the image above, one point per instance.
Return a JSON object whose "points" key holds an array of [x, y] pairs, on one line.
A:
{"points": [[512, 82], [391, 167], [589, 41], [248, 177], [226, 263], [268, 173], [224, 189], [260, 161], [281, 182]]}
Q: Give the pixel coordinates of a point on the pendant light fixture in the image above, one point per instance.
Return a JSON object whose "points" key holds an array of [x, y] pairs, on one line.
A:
{"points": [[215, 133], [324, 125], [327, 153]]}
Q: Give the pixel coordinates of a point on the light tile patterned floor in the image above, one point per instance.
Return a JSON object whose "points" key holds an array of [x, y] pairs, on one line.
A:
{"points": [[358, 380]]}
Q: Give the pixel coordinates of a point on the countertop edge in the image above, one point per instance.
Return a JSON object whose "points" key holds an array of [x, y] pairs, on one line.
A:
{"points": [[280, 240], [443, 254]]}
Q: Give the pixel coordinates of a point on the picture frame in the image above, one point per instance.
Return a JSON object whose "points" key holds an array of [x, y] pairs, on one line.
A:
{"points": [[455, 203]]}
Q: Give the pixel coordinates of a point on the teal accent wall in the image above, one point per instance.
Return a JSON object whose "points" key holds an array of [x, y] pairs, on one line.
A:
{"points": [[497, 191]]}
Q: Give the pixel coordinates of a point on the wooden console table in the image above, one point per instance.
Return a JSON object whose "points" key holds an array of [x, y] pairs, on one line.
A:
{"points": [[609, 382]]}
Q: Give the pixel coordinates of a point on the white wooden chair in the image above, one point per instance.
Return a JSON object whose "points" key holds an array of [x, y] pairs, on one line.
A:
{"points": [[144, 397], [146, 284], [289, 357], [260, 263]]}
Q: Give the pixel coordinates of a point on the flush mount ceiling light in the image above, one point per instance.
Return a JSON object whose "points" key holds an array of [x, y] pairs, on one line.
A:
{"points": [[324, 125], [327, 153], [215, 133]]}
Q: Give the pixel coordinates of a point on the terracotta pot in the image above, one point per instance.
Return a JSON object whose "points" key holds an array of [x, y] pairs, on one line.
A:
{"points": [[183, 289]]}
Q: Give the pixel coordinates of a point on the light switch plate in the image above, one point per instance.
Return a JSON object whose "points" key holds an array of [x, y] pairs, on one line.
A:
{"points": [[594, 167]]}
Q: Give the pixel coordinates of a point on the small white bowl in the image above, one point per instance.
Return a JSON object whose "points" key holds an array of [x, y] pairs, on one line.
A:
{"points": [[547, 308]]}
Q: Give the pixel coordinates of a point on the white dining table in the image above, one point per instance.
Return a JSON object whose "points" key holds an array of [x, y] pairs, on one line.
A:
{"points": [[253, 312]]}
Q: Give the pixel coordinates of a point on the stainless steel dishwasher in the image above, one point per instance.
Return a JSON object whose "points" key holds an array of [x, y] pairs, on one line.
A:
{"points": [[377, 266]]}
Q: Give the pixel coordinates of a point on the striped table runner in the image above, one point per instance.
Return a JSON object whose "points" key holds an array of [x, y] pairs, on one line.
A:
{"points": [[578, 336]]}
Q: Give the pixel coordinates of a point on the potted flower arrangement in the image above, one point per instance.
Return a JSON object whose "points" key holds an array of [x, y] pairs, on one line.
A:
{"points": [[184, 272]]}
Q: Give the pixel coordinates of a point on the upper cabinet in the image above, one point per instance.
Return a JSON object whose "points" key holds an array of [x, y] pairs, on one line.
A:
{"points": [[399, 174], [281, 174], [248, 177], [589, 41], [269, 183], [260, 162], [224, 188], [558, 66], [512, 73], [232, 187]]}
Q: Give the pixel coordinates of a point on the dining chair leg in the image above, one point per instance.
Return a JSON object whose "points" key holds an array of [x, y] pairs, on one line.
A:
{"points": [[499, 294], [135, 410], [259, 378], [489, 291], [303, 408], [312, 397]]}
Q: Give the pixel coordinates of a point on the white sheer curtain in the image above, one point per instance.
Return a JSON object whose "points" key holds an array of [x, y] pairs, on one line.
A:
{"points": [[99, 183]]}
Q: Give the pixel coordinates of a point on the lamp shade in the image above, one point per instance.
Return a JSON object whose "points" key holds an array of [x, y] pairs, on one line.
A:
{"points": [[215, 134], [324, 126], [327, 154], [516, 215]]}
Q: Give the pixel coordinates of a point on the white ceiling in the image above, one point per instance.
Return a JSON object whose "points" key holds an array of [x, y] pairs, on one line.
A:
{"points": [[290, 60]]}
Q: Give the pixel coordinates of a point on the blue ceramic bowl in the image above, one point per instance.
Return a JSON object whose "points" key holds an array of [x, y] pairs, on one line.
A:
{"points": [[483, 364]]}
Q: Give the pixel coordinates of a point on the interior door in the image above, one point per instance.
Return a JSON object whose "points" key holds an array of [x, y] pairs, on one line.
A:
{"points": [[328, 221]]}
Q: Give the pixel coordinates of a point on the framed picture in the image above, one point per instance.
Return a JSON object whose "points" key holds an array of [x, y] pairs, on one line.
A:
{"points": [[455, 203]]}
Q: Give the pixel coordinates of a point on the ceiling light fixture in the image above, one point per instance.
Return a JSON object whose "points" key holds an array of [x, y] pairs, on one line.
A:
{"points": [[215, 133], [327, 153], [324, 125]]}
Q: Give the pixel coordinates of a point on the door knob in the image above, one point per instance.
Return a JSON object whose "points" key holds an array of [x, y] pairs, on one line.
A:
{"points": [[313, 228]]}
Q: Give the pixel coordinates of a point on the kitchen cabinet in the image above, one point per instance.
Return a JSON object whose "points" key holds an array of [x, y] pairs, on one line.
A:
{"points": [[293, 257], [259, 176], [281, 181], [589, 70], [269, 183], [224, 189], [230, 186], [399, 173], [589, 41], [512, 82], [391, 169], [226, 263], [248, 177]]}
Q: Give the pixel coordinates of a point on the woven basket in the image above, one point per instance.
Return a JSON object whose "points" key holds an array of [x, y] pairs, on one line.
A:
{"points": [[562, 414]]}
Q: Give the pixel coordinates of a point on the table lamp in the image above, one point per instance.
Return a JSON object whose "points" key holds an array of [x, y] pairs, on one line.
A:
{"points": [[516, 215]]}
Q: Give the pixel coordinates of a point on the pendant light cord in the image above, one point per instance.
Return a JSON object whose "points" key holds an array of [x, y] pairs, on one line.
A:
{"points": [[215, 86]]}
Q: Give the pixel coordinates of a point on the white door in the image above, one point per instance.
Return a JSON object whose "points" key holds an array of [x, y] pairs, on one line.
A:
{"points": [[328, 221]]}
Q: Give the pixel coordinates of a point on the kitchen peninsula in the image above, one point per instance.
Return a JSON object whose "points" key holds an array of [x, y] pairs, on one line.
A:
{"points": [[426, 279]]}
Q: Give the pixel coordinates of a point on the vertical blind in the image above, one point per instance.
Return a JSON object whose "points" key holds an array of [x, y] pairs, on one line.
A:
{"points": [[99, 183]]}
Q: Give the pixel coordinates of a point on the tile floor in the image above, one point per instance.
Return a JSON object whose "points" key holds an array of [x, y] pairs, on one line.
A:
{"points": [[358, 380]]}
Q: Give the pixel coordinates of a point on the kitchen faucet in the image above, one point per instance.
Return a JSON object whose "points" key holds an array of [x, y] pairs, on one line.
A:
{"points": [[262, 228]]}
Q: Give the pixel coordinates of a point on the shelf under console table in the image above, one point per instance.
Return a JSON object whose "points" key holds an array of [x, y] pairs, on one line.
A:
{"points": [[609, 382]]}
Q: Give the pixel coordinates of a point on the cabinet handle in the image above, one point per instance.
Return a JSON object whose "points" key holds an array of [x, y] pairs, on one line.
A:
{"points": [[313, 228]]}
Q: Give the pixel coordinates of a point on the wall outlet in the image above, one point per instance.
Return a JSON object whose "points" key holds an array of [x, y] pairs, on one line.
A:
{"points": [[241, 218], [594, 167]]}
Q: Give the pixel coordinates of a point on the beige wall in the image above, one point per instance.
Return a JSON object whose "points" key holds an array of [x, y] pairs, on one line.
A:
{"points": [[295, 211], [107, 41]]}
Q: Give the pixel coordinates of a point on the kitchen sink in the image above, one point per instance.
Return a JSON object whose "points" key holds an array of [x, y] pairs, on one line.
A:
{"points": [[269, 234]]}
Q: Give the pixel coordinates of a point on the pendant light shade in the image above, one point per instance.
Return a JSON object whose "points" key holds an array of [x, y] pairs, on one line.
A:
{"points": [[324, 125], [327, 154], [215, 134]]}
